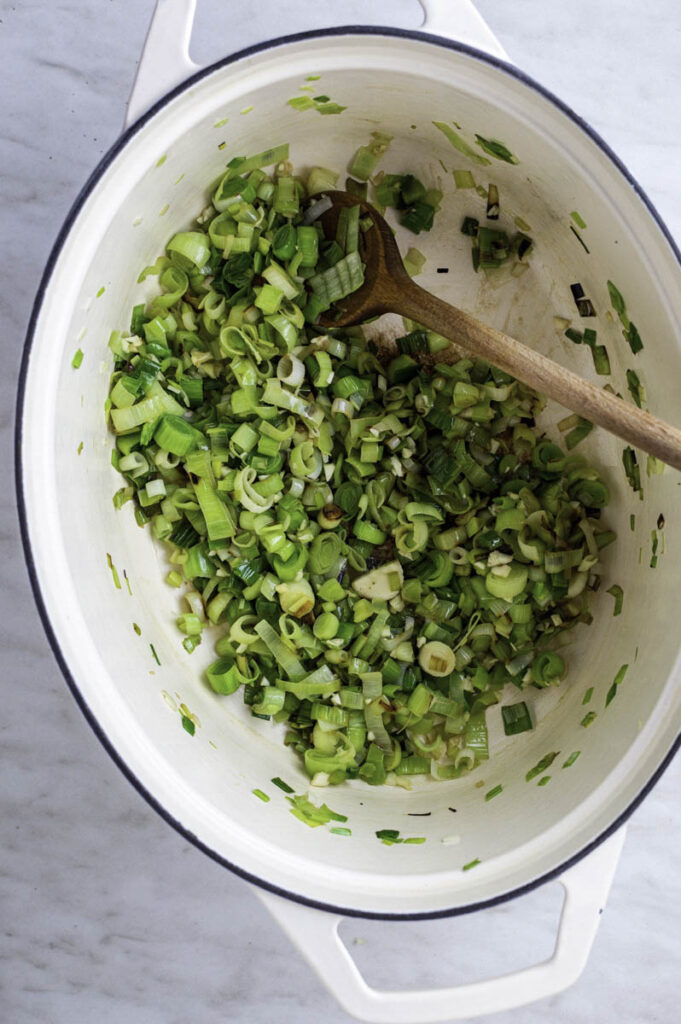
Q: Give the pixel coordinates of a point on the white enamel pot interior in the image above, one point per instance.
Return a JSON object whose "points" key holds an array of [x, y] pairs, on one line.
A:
{"points": [[152, 184]]}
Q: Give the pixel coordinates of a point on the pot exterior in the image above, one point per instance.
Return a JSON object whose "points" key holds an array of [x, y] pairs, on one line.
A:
{"points": [[203, 784]]}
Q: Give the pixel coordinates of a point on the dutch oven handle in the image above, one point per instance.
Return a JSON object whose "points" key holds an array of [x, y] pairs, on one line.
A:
{"points": [[165, 61], [315, 933]]}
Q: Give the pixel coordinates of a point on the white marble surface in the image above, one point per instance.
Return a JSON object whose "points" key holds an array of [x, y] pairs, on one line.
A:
{"points": [[107, 914]]}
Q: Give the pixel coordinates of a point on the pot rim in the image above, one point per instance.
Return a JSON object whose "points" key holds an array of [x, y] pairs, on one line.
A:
{"points": [[86, 190]]}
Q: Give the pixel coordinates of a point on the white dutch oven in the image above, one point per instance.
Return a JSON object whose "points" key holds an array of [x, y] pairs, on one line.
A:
{"points": [[570, 828]]}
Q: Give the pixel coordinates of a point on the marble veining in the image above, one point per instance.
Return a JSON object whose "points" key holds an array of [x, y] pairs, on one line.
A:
{"points": [[108, 915]]}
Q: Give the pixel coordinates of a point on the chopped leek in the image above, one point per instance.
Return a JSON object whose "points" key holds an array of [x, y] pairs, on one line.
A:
{"points": [[366, 159], [615, 684], [307, 812], [635, 387], [464, 179], [409, 195], [496, 149], [414, 262], [629, 329], [471, 864], [618, 594], [284, 786], [516, 718], [322, 104], [541, 766], [460, 143], [377, 551], [493, 248]]}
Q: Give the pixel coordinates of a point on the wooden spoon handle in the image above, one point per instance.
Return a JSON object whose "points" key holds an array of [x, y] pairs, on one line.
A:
{"points": [[627, 421]]}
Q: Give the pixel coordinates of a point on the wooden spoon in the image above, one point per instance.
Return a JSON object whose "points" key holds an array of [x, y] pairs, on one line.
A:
{"points": [[388, 288]]}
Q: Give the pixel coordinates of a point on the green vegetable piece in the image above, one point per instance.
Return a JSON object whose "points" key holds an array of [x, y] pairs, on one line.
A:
{"points": [[189, 250], [176, 436], [459, 143], [496, 149], [541, 766], [618, 303], [436, 659], [470, 226], [367, 158], [382, 583], [506, 581], [284, 242], [547, 668], [618, 594], [516, 718], [464, 179], [418, 217]]}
